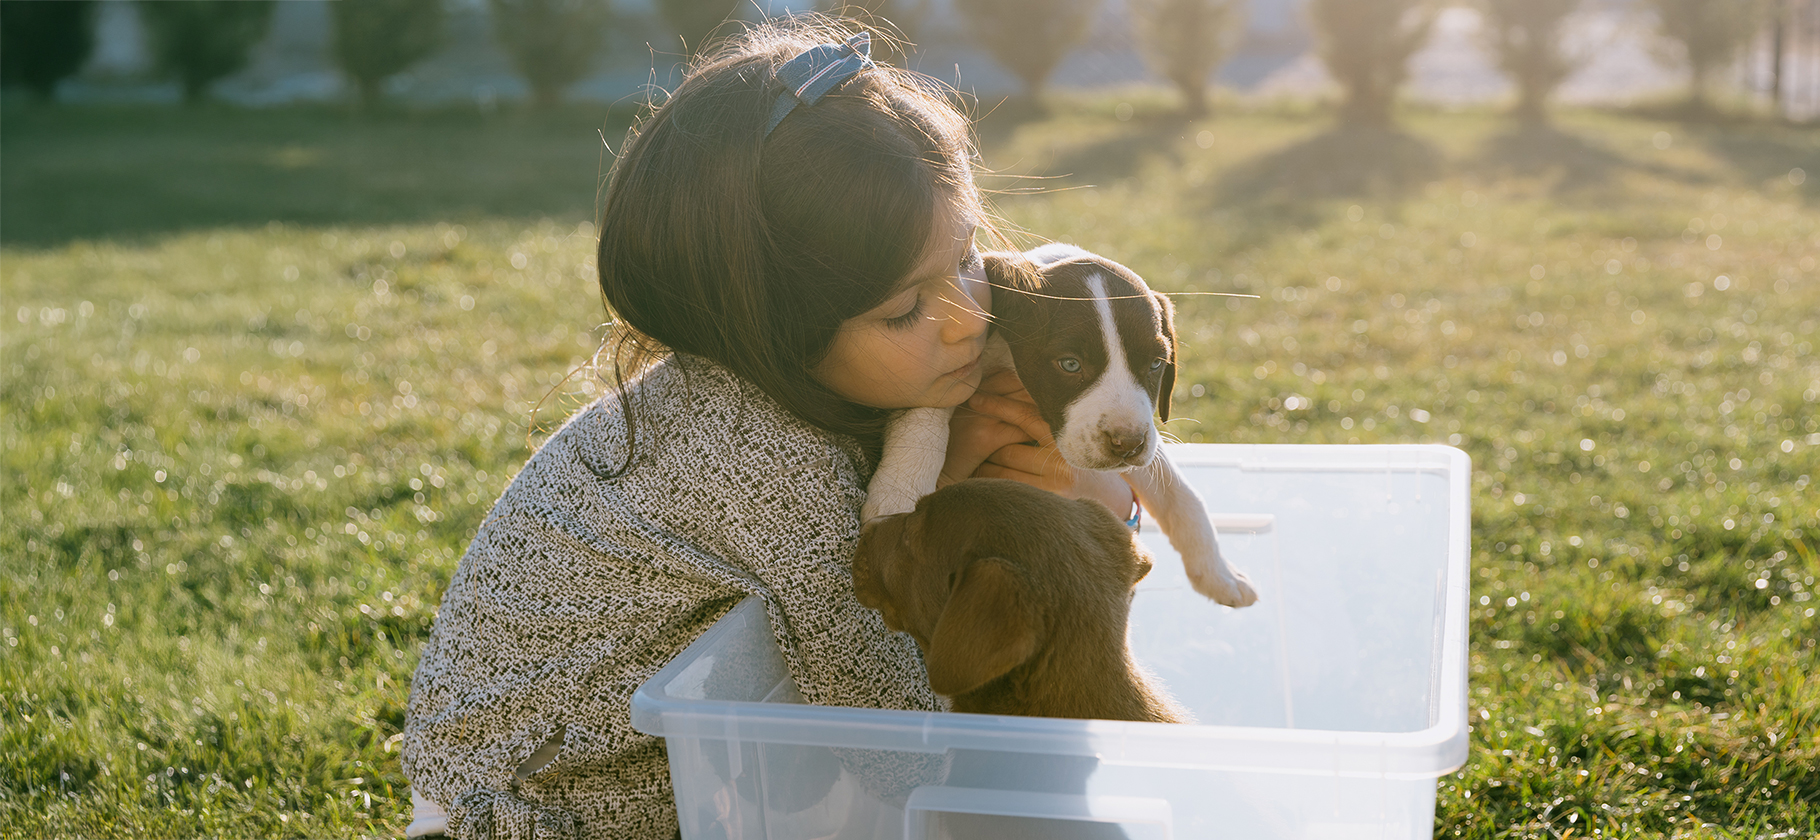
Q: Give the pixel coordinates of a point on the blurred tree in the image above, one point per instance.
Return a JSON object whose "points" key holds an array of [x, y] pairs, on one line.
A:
{"points": [[1526, 37], [1028, 37], [1366, 45], [1187, 40], [42, 44], [1778, 42], [375, 39], [1707, 34], [694, 21], [200, 41], [551, 42]]}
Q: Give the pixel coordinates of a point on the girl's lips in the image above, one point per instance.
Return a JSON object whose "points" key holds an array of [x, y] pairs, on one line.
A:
{"points": [[964, 370]]}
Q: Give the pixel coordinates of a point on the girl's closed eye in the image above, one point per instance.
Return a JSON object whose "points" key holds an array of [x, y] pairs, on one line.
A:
{"points": [[970, 262], [904, 321]]}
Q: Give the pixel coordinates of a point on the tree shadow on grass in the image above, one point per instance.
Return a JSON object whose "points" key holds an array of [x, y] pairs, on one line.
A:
{"points": [[1122, 155], [1545, 152], [1342, 162], [1767, 155], [130, 173], [1569, 163], [1284, 190]]}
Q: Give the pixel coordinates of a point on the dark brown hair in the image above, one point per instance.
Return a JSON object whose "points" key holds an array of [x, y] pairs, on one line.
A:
{"points": [[748, 250]]}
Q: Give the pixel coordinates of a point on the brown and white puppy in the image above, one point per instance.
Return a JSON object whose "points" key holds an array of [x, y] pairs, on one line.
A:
{"points": [[1019, 599], [1096, 350]]}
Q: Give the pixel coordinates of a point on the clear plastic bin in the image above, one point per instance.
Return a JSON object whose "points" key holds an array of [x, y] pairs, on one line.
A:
{"points": [[1326, 711]]}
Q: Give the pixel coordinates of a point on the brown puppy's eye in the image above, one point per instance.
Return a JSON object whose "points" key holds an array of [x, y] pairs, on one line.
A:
{"points": [[1069, 364], [1156, 364]]}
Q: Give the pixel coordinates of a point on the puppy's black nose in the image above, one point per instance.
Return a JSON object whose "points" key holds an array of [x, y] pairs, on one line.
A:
{"points": [[1124, 444]]}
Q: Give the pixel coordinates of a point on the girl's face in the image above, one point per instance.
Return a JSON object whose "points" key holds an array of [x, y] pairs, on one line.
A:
{"points": [[921, 347]]}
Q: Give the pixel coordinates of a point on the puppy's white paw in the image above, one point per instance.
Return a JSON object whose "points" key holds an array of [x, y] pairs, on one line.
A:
{"points": [[1221, 583]]}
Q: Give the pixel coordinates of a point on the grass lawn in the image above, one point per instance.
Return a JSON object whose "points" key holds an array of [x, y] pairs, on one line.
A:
{"points": [[265, 371]]}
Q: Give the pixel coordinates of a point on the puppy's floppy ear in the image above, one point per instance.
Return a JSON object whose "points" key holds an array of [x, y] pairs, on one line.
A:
{"points": [[1012, 275], [986, 630], [879, 542], [1140, 565], [1121, 546], [1167, 310], [1012, 270]]}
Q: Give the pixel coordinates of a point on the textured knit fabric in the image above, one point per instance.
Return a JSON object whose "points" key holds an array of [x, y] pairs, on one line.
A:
{"points": [[577, 588]]}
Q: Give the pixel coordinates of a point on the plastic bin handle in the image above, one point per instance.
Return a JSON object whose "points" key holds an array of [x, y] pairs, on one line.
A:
{"points": [[1243, 523], [1021, 803]]}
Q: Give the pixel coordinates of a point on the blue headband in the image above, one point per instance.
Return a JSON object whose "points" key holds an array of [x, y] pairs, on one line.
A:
{"points": [[819, 69]]}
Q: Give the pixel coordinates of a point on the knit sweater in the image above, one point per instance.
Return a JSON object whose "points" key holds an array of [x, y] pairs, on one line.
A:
{"points": [[578, 587]]}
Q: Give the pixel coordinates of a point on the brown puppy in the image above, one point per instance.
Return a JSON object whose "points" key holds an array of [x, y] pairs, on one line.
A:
{"points": [[1018, 598]]}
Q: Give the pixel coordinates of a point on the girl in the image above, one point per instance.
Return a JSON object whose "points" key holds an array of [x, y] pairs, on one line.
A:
{"points": [[787, 265]]}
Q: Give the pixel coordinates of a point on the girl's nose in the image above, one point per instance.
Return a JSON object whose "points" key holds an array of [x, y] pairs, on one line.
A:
{"points": [[966, 306]]}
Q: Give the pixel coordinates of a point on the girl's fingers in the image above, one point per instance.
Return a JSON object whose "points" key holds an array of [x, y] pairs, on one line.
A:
{"points": [[991, 470], [1004, 383], [972, 438], [1041, 460], [1016, 412], [1043, 467], [1042, 464], [970, 450], [972, 429]]}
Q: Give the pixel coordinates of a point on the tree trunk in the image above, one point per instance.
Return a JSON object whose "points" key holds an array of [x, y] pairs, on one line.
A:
{"points": [[1696, 91], [1366, 104], [1779, 13], [546, 96], [195, 89], [1532, 104], [369, 93], [1033, 86], [1194, 97]]}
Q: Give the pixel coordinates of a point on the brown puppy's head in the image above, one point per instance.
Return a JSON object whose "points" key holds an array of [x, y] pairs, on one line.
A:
{"points": [[1094, 346], [982, 570]]}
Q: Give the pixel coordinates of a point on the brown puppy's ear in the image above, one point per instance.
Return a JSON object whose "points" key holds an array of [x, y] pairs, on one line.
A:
{"points": [[1120, 544], [1167, 309], [1141, 564], [985, 631], [879, 543]]}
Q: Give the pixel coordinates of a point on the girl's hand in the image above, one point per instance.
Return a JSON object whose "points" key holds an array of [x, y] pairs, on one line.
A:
{"points": [[973, 436], [999, 434]]}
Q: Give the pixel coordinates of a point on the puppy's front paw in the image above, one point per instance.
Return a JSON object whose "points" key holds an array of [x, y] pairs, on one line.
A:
{"points": [[1221, 583]]}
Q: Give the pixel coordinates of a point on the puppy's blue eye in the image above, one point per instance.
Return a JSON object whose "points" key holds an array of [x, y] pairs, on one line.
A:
{"points": [[1156, 364], [1069, 365]]}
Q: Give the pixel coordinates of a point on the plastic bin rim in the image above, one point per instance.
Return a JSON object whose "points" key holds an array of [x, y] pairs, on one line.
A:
{"points": [[657, 714], [1299, 456]]}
